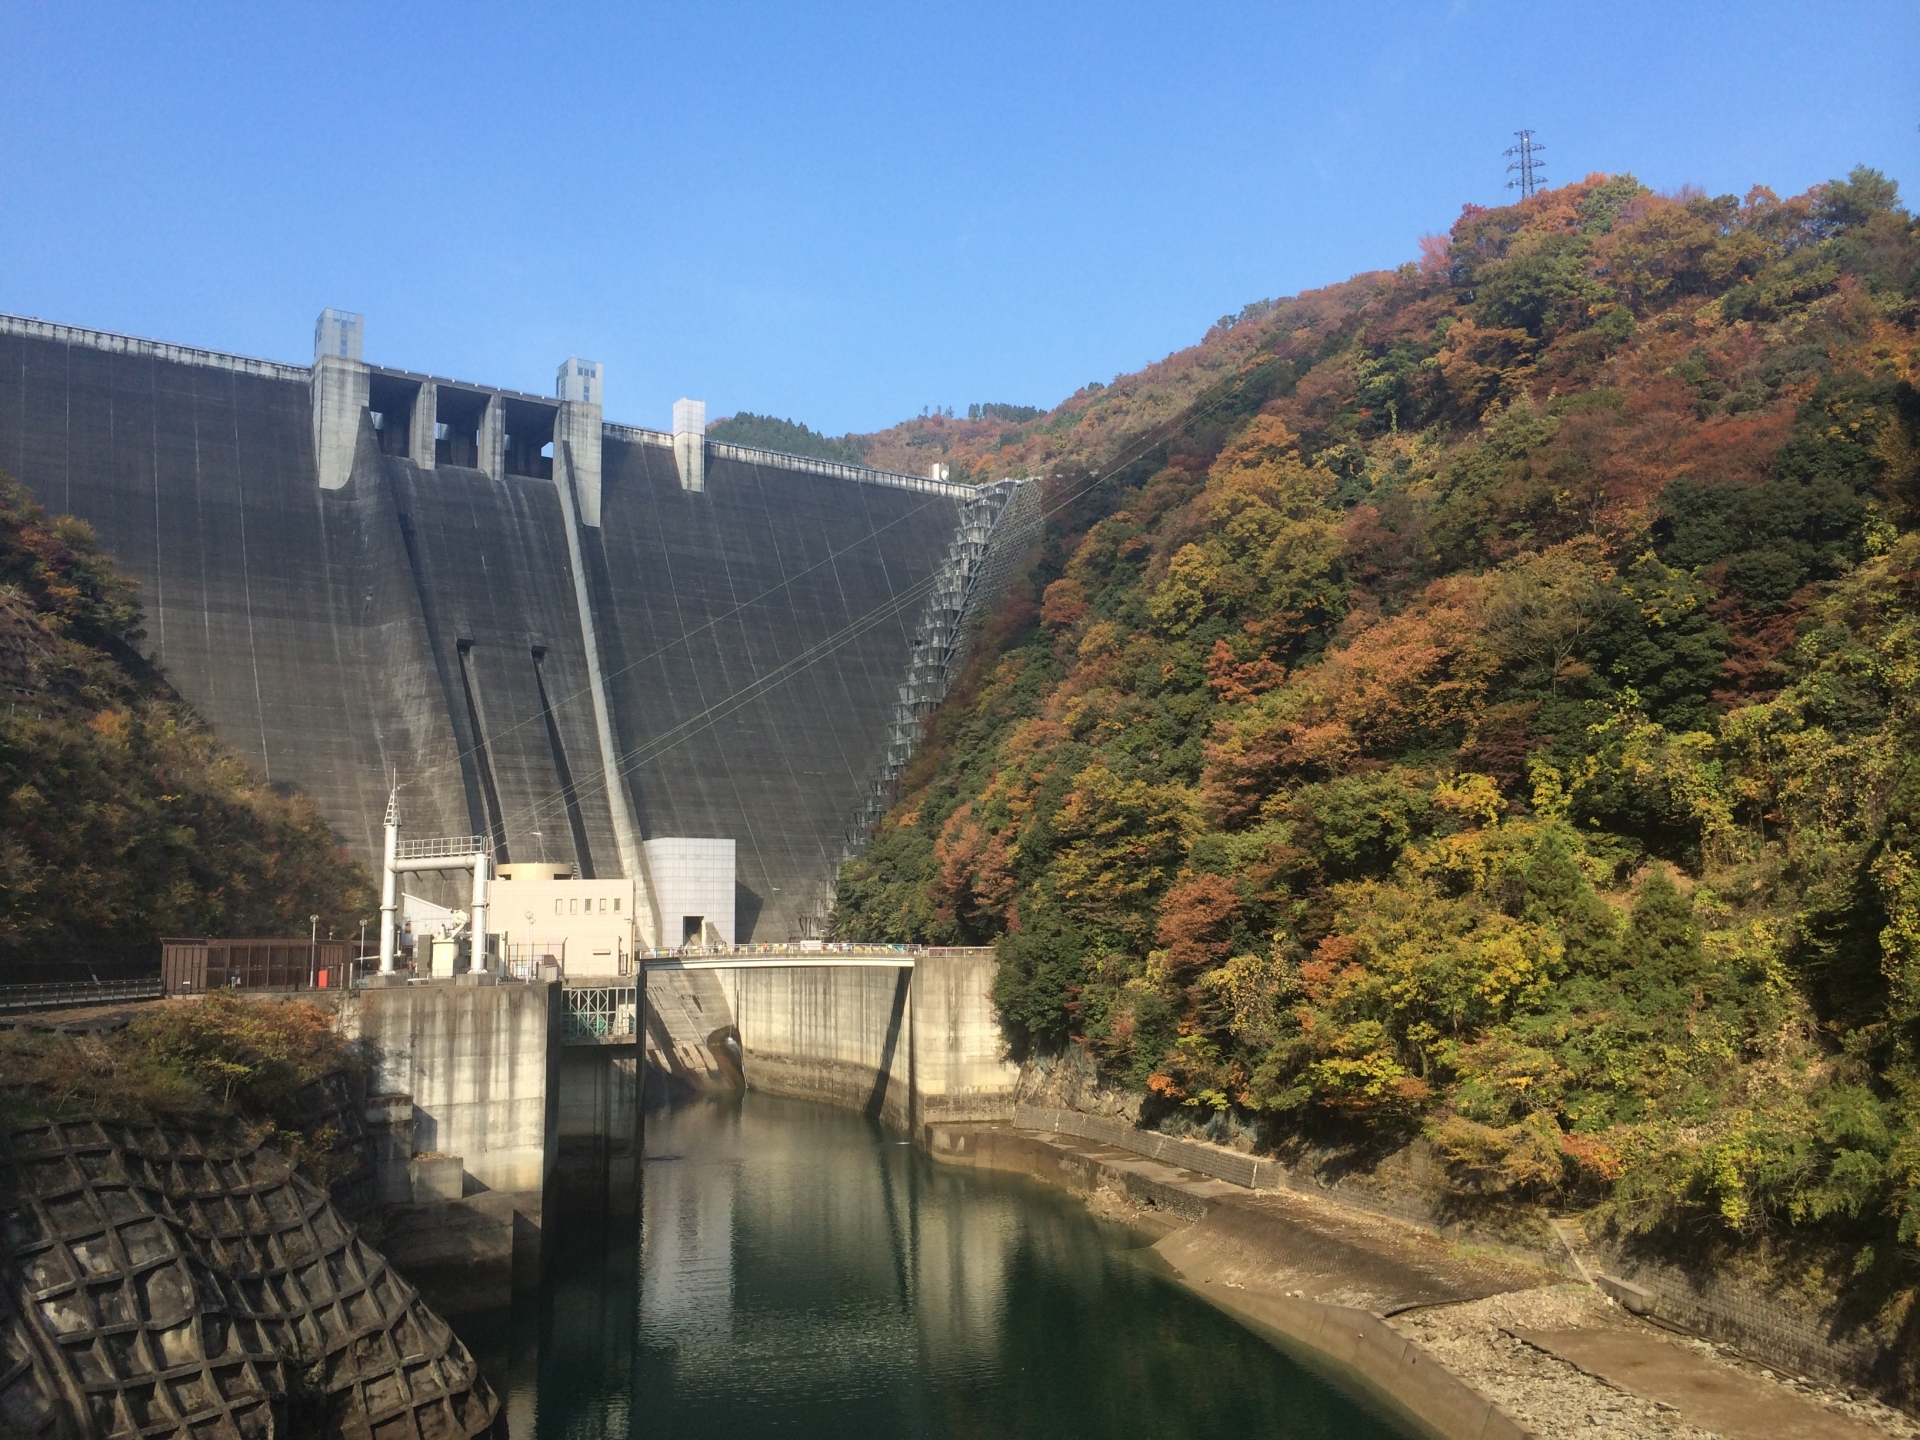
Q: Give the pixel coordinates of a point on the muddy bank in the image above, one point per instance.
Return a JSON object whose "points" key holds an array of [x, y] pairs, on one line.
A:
{"points": [[1317, 1283], [1465, 1341]]}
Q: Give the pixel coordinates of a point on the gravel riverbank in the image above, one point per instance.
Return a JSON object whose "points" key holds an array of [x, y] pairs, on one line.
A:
{"points": [[1480, 1342]]}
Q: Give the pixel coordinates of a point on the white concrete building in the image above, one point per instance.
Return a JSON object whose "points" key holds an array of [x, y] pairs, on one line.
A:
{"points": [[693, 884], [580, 381]]}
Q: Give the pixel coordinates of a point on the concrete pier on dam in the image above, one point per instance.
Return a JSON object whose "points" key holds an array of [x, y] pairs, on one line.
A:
{"points": [[566, 635]]}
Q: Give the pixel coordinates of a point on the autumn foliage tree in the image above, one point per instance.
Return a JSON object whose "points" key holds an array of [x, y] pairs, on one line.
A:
{"points": [[1488, 714], [122, 816]]}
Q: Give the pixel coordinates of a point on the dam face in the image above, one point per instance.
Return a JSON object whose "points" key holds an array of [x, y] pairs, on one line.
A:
{"points": [[555, 632]]}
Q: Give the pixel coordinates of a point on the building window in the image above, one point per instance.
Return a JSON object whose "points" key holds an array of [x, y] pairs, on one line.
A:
{"points": [[603, 904], [616, 904], [556, 906], [573, 907]]}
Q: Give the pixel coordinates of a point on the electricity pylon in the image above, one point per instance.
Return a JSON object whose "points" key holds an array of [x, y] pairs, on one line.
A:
{"points": [[1531, 176]]}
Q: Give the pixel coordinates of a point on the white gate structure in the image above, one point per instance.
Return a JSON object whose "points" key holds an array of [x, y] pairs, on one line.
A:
{"points": [[458, 852]]}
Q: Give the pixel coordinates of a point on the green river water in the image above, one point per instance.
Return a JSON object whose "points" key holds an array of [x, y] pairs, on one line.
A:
{"points": [[801, 1272]]}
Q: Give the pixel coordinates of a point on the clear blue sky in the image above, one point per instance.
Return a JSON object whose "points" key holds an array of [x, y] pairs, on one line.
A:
{"points": [[844, 213]]}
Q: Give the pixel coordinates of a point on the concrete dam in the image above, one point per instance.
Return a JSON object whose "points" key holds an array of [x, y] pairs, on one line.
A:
{"points": [[565, 635]]}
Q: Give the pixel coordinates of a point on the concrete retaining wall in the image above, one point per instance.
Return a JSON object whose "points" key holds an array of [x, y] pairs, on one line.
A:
{"points": [[595, 1144], [904, 1046], [478, 1062], [1781, 1331]]}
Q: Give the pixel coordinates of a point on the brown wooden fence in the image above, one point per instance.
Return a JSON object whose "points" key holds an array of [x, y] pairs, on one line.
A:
{"points": [[193, 967]]}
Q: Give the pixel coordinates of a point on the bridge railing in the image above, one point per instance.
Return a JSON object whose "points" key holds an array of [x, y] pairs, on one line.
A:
{"points": [[60, 994], [804, 948]]}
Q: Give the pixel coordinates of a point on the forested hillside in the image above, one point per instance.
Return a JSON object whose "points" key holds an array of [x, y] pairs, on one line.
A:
{"points": [[122, 817], [1479, 701], [789, 437], [907, 448]]}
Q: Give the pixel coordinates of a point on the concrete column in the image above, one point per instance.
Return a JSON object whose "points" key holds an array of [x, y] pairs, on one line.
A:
{"points": [[420, 430], [576, 425], [477, 946], [339, 400], [626, 834], [339, 394], [493, 438], [690, 444]]}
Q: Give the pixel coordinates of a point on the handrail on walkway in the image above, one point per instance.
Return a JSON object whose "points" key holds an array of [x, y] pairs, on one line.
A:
{"points": [[60, 994], [799, 960]]}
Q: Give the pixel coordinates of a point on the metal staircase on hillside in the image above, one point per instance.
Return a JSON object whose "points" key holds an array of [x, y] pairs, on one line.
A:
{"points": [[997, 524]]}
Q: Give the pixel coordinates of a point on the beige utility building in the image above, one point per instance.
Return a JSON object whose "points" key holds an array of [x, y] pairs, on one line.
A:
{"points": [[542, 913]]}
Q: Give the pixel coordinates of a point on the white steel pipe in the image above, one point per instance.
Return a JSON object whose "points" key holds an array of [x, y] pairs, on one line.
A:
{"points": [[389, 885], [477, 945]]}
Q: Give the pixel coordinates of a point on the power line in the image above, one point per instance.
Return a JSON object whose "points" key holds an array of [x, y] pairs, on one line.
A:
{"points": [[653, 749], [1528, 174]]}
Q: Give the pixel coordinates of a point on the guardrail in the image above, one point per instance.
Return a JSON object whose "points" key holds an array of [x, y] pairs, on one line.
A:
{"points": [[807, 464], [814, 947], [59, 995], [158, 349], [865, 474], [447, 846]]}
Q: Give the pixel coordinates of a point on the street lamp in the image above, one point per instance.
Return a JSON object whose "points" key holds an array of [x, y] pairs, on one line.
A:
{"points": [[313, 951]]}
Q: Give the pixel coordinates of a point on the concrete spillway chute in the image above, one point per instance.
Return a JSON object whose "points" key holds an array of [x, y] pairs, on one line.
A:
{"points": [[460, 852]]}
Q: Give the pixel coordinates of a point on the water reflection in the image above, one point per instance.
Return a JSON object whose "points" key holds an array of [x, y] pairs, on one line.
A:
{"points": [[803, 1273]]}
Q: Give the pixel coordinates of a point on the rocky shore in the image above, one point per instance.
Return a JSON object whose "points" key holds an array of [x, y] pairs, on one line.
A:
{"points": [[1658, 1384]]}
